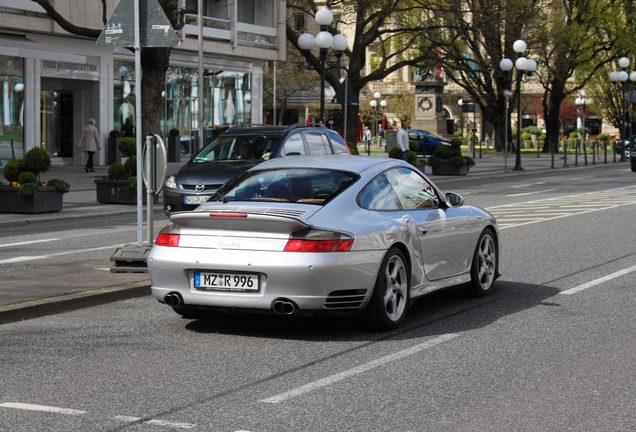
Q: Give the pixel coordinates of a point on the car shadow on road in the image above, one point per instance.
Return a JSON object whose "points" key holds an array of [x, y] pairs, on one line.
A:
{"points": [[446, 311]]}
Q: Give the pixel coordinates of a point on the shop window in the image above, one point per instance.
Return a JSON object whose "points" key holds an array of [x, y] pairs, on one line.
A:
{"points": [[12, 91]]}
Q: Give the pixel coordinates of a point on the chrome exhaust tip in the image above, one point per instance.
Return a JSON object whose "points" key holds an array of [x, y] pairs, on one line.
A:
{"points": [[284, 307]]}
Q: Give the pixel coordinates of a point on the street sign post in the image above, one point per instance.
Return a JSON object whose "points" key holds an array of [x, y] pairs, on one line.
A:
{"points": [[136, 24]]}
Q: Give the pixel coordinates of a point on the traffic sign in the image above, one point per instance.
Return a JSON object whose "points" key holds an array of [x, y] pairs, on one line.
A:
{"points": [[154, 28]]}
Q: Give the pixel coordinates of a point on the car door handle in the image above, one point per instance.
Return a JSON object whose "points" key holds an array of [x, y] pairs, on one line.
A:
{"points": [[423, 231]]}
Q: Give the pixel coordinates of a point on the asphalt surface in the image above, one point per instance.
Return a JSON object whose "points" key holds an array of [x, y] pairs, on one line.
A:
{"points": [[44, 290]]}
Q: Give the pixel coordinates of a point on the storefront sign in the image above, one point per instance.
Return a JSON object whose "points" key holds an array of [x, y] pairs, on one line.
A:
{"points": [[69, 70]]}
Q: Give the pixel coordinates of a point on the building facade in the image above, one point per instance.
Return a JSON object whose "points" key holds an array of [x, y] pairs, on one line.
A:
{"points": [[52, 82]]}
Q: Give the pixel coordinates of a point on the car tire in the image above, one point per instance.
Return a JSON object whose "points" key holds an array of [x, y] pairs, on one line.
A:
{"points": [[188, 312], [633, 165], [484, 268], [391, 293]]}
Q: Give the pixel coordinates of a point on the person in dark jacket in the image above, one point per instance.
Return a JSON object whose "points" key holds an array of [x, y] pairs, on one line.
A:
{"points": [[89, 142]]}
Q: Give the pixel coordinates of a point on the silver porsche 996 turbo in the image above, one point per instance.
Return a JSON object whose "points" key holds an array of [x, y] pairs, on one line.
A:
{"points": [[324, 234]]}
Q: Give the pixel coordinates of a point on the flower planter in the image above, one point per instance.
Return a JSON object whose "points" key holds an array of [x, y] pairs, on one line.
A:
{"points": [[446, 168], [116, 191], [44, 200]]}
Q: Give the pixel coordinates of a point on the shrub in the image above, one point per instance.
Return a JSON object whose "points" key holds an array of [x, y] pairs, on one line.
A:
{"points": [[27, 189], [444, 151], [411, 157], [457, 161], [114, 133], [128, 146], [525, 136], [174, 132], [59, 185], [131, 166], [12, 169], [532, 130], [395, 153], [117, 171], [37, 160], [27, 177], [434, 161], [353, 147]]}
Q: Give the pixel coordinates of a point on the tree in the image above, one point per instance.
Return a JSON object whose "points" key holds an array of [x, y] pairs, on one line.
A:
{"points": [[292, 77], [468, 39], [572, 39], [389, 28], [154, 61]]}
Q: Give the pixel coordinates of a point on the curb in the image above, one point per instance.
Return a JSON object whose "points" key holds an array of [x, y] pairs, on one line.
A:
{"points": [[69, 302]]}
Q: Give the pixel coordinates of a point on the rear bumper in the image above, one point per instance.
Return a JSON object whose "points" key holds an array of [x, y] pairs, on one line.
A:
{"points": [[313, 281]]}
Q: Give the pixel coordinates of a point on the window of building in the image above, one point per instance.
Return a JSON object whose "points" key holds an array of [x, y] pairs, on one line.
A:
{"points": [[124, 95], [12, 102]]}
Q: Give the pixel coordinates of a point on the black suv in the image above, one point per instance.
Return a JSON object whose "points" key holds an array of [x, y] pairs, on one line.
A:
{"points": [[239, 149]]}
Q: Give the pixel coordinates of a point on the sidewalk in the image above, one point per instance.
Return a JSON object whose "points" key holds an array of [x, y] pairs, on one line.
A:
{"points": [[44, 290]]}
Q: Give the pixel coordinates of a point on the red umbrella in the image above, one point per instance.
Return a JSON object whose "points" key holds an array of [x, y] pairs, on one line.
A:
{"points": [[360, 127]]}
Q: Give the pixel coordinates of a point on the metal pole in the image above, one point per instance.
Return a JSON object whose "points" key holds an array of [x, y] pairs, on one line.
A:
{"points": [[518, 166], [150, 164], [138, 125], [200, 91], [473, 136], [506, 137], [274, 94], [346, 99], [323, 59]]}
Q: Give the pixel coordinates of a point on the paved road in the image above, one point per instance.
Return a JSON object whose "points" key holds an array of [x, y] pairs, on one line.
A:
{"points": [[552, 349]]}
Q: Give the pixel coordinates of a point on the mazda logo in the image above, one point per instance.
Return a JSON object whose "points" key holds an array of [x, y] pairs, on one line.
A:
{"points": [[199, 188]]}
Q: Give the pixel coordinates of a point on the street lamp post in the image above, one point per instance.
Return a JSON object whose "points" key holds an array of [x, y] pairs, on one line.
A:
{"points": [[580, 102], [507, 94], [323, 40], [524, 66], [376, 103], [628, 96]]}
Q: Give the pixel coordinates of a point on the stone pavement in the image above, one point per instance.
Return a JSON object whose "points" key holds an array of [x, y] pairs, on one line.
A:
{"points": [[51, 289]]}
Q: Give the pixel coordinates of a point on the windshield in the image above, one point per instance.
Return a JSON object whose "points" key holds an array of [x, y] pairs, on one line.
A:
{"points": [[232, 148], [298, 185]]}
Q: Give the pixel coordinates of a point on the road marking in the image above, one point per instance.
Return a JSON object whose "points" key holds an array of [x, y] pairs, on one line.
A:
{"points": [[519, 214], [170, 424], [42, 408], [599, 281], [41, 257], [127, 419], [28, 242], [531, 193], [323, 382]]}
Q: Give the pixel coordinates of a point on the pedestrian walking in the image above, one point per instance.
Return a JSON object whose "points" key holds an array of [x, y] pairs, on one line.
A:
{"points": [[403, 139], [89, 142], [366, 138]]}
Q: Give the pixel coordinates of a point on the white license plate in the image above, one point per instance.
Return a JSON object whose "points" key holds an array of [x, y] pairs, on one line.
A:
{"points": [[225, 281], [196, 199]]}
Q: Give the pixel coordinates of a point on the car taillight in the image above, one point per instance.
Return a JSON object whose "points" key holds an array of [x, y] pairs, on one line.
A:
{"points": [[166, 239], [319, 241]]}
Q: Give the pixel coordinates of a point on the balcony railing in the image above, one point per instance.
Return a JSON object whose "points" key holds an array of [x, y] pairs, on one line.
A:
{"points": [[221, 29]]}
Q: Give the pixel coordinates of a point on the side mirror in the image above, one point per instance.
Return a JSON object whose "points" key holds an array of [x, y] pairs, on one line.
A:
{"points": [[454, 199]]}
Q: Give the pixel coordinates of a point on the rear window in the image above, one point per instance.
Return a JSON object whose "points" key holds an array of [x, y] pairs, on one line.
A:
{"points": [[337, 142], [295, 185], [231, 148]]}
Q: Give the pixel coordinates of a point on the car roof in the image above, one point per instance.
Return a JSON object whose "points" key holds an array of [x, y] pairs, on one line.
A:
{"points": [[343, 162], [269, 129]]}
